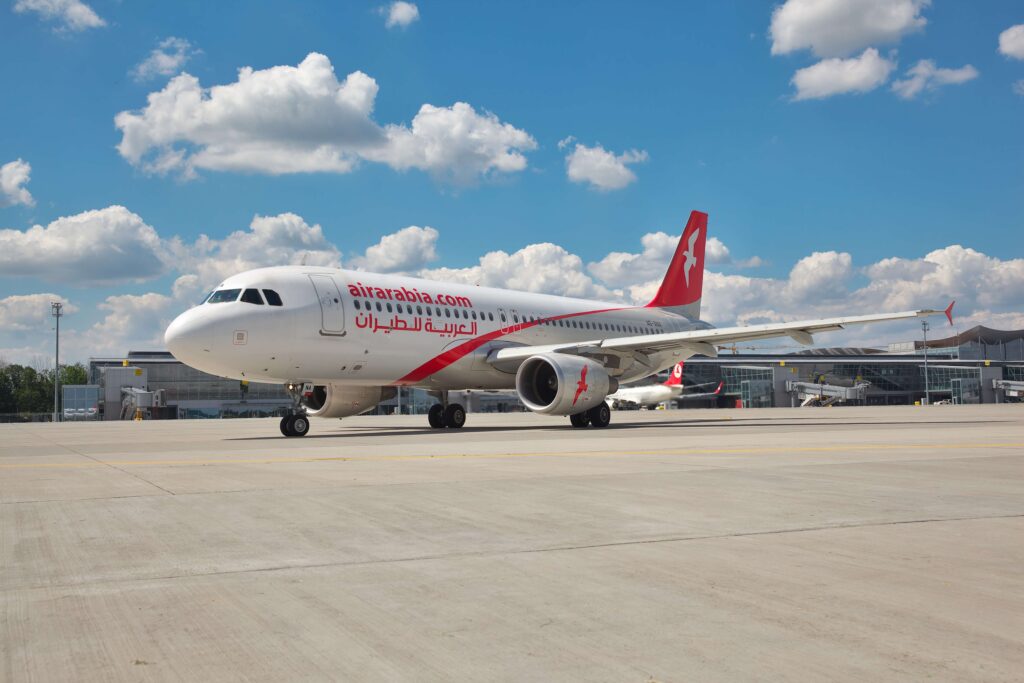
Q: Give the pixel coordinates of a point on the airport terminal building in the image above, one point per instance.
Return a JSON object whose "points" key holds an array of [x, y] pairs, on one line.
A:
{"points": [[980, 365]]}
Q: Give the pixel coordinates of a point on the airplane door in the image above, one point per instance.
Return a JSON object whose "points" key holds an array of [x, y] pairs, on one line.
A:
{"points": [[332, 311]]}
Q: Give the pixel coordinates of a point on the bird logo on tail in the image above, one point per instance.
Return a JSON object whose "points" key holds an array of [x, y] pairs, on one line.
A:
{"points": [[690, 256]]}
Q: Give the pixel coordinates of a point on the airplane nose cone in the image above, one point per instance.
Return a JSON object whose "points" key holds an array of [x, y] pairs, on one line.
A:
{"points": [[187, 337]]}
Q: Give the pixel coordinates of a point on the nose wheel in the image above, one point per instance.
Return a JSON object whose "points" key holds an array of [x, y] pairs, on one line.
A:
{"points": [[295, 425]]}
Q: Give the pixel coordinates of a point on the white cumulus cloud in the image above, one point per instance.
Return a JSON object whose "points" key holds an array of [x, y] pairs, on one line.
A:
{"points": [[301, 119], [93, 247], [71, 15], [1018, 87], [408, 249], [400, 14], [455, 142], [546, 268], [285, 239], [840, 76], [836, 28], [925, 76], [14, 175], [602, 169], [165, 59], [1011, 42], [26, 312]]}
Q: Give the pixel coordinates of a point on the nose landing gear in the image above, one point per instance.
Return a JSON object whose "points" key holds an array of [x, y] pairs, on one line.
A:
{"points": [[295, 425]]}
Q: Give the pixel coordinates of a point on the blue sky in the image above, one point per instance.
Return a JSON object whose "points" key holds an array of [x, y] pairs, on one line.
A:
{"points": [[693, 89]]}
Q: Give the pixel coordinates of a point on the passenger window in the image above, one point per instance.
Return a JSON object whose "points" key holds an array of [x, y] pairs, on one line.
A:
{"points": [[447, 313], [503, 317], [252, 296], [379, 307], [224, 296], [490, 316], [474, 315], [356, 303], [419, 310], [389, 308]]}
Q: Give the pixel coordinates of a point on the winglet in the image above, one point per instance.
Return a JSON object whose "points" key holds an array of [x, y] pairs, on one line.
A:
{"points": [[949, 312]]}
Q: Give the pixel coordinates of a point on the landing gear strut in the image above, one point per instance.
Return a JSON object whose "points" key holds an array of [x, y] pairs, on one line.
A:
{"points": [[296, 422]]}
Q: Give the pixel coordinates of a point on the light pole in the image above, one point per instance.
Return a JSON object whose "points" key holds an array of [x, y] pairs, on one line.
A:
{"points": [[56, 310], [927, 393]]}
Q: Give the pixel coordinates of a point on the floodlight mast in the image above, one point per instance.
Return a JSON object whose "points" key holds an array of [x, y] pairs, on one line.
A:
{"points": [[56, 310], [927, 392]]}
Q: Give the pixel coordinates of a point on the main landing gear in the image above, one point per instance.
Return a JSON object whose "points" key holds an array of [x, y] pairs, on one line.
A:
{"points": [[296, 424], [599, 416], [452, 416], [445, 414]]}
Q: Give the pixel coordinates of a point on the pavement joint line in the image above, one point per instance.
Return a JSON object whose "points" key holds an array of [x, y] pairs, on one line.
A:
{"points": [[517, 551], [846, 448]]}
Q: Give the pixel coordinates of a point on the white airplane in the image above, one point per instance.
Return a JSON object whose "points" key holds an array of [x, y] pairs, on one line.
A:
{"points": [[342, 340], [652, 394]]}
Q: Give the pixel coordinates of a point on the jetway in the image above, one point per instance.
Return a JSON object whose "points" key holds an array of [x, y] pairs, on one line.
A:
{"points": [[808, 393], [1006, 388]]}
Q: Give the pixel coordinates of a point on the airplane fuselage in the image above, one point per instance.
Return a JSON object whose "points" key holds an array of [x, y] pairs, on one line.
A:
{"points": [[352, 327]]}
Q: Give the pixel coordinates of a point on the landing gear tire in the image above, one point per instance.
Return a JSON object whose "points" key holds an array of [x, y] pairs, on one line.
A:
{"points": [[295, 425], [454, 416], [435, 416], [300, 425], [579, 420], [600, 415]]}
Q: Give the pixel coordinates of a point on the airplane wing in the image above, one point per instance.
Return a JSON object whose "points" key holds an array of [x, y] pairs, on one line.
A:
{"points": [[698, 341], [705, 394]]}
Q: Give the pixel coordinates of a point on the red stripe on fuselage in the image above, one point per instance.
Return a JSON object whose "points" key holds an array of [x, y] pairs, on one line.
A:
{"points": [[459, 352]]}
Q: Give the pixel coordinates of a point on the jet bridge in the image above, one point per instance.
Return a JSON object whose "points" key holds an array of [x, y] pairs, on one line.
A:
{"points": [[813, 393], [1006, 388]]}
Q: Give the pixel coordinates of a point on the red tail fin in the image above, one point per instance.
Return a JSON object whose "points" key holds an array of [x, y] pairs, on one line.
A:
{"points": [[676, 378], [684, 280]]}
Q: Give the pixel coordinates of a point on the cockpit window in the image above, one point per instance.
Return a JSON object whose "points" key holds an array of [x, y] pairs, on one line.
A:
{"points": [[252, 296], [223, 296], [205, 297], [273, 298]]}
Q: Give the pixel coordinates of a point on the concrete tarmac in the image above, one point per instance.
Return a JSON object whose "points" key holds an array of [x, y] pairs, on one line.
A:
{"points": [[847, 544]]}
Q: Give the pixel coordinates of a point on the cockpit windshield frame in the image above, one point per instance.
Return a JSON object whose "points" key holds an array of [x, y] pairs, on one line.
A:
{"points": [[224, 296]]}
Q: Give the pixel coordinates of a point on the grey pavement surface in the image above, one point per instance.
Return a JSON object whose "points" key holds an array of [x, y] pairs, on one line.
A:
{"points": [[783, 544]]}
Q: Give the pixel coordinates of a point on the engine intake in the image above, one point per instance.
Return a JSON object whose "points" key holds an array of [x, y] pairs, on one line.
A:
{"points": [[334, 400], [560, 384]]}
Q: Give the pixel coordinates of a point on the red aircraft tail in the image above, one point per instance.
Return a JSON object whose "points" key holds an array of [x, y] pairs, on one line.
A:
{"points": [[676, 378], [681, 288]]}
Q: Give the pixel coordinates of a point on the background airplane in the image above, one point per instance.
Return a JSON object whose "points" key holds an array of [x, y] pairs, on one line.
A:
{"points": [[342, 340], [650, 395]]}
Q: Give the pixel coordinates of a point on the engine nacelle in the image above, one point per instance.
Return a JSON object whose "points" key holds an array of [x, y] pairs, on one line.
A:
{"points": [[340, 400], [560, 384]]}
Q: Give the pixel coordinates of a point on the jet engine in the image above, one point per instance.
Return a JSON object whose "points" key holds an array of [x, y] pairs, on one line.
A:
{"points": [[340, 400], [560, 384]]}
